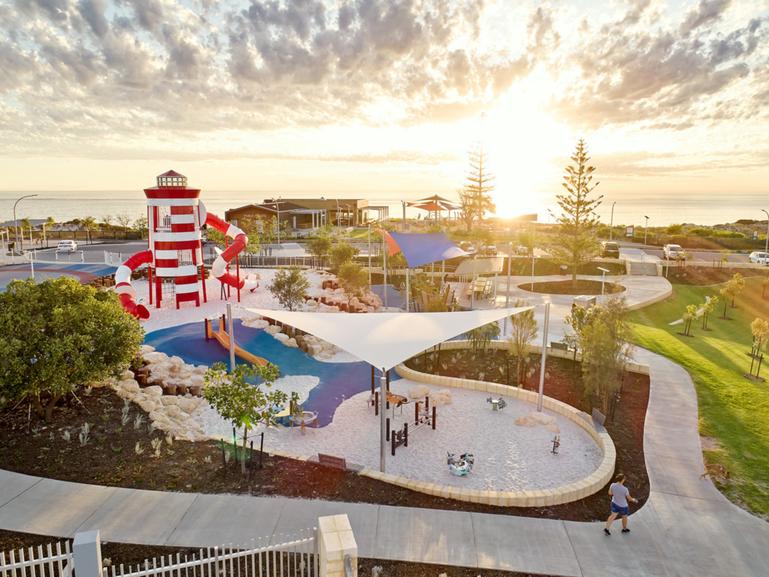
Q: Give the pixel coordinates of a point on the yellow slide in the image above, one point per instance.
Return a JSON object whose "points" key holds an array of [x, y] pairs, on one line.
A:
{"points": [[223, 337]]}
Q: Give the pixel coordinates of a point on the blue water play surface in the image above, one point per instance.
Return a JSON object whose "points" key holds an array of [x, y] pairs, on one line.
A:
{"points": [[338, 381], [84, 272]]}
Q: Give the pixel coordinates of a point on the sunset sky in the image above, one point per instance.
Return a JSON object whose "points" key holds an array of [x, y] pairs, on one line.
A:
{"points": [[382, 97]]}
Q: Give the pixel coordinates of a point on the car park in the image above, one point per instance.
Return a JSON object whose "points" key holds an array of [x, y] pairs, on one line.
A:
{"points": [[758, 257], [66, 247], [673, 252], [609, 249]]}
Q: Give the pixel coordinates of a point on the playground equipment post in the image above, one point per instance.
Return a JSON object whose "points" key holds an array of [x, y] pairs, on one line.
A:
{"points": [[231, 330]]}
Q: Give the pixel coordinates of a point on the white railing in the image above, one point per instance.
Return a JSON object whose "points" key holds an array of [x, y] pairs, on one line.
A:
{"points": [[296, 557], [49, 561], [326, 551]]}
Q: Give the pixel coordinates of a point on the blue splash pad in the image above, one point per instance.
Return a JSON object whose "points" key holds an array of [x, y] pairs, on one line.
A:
{"points": [[338, 381]]}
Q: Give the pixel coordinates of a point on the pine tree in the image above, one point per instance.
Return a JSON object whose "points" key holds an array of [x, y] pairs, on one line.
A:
{"points": [[576, 242], [476, 196]]}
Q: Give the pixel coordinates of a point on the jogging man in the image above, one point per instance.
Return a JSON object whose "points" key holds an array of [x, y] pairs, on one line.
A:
{"points": [[620, 495]]}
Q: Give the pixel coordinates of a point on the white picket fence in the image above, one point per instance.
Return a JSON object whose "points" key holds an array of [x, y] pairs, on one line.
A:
{"points": [[316, 552], [53, 560], [295, 557]]}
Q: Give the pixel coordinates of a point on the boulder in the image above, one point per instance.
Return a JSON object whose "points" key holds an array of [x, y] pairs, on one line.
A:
{"points": [[154, 391], [167, 400], [272, 329], [419, 392], [291, 343], [439, 398], [155, 357], [144, 349], [127, 375], [282, 337]]}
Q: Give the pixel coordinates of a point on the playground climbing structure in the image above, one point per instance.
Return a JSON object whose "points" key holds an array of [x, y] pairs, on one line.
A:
{"points": [[174, 255]]}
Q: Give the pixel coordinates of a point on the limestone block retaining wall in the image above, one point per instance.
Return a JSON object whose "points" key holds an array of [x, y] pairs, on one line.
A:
{"points": [[541, 498]]}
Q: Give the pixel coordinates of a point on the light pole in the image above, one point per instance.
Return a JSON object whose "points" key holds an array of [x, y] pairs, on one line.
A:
{"points": [[15, 222], [766, 247], [646, 229], [507, 291], [611, 222]]}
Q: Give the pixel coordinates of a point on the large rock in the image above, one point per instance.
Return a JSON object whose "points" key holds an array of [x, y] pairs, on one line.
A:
{"points": [[282, 337], [167, 400], [272, 329], [419, 392], [291, 343], [155, 357], [439, 398], [144, 349], [154, 391]]}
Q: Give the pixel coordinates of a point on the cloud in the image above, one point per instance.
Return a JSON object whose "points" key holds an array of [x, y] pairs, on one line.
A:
{"points": [[74, 72], [675, 75]]}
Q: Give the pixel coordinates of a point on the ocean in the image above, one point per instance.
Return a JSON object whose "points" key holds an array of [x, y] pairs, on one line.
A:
{"points": [[662, 209]]}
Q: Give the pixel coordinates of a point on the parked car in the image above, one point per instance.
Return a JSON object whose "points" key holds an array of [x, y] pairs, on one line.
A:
{"points": [[467, 246], [759, 257], [522, 250], [609, 249], [66, 246], [673, 252], [489, 250]]}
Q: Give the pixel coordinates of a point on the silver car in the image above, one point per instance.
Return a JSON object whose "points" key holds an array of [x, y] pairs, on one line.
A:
{"points": [[759, 257]]}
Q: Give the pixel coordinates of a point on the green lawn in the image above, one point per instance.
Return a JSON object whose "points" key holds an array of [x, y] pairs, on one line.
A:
{"points": [[733, 409]]}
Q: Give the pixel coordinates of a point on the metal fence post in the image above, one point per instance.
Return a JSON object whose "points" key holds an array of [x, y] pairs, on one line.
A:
{"points": [[86, 554]]}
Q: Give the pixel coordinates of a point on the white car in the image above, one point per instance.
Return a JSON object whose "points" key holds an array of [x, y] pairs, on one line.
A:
{"points": [[759, 257], [66, 247], [674, 252]]}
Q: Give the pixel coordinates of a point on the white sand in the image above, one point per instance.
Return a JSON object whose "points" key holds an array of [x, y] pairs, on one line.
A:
{"points": [[507, 456], [301, 384]]}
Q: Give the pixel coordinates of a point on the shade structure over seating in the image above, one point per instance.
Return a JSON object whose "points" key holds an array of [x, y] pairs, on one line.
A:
{"points": [[423, 248], [435, 204], [385, 340]]}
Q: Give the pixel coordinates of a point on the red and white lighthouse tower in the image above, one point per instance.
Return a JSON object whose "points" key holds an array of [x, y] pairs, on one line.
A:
{"points": [[175, 216]]}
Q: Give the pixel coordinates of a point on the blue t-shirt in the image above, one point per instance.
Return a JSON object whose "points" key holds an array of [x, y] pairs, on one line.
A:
{"points": [[619, 494]]}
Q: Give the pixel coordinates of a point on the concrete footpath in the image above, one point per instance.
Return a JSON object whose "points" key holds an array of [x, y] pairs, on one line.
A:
{"points": [[686, 528]]}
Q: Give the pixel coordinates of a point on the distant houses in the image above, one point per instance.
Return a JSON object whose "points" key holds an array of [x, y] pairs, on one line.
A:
{"points": [[306, 214]]}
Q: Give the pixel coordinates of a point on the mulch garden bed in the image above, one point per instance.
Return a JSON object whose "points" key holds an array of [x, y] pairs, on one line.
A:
{"points": [[567, 287], [127, 554], [697, 275], [126, 453]]}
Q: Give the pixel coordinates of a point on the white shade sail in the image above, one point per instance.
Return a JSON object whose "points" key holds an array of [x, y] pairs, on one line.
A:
{"points": [[387, 339]]}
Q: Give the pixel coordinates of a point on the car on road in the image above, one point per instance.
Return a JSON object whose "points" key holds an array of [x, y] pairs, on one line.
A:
{"points": [[66, 247], [759, 257], [673, 252], [609, 249]]}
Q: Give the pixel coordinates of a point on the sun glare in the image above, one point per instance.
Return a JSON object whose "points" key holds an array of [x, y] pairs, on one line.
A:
{"points": [[520, 138]]}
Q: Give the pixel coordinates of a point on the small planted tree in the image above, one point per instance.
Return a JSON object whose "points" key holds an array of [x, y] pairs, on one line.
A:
{"points": [[319, 247], [58, 335], [575, 321], [290, 287], [689, 315], [759, 328], [353, 280], [605, 350], [88, 224], [707, 309], [241, 399], [739, 286], [124, 222], [523, 328], [481, 337], [341, 253]]}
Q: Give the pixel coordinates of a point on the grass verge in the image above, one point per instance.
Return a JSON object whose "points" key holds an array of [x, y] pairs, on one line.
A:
{"points": [[733, 409]]}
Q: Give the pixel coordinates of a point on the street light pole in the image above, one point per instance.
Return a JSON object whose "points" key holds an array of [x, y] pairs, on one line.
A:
{"points": [[766, 247], [646, 229], [611, 222], [15, 222]]}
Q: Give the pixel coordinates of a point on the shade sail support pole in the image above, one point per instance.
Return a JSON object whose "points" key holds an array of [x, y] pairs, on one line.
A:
{"points": [[545, 330], [382, 420]]}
